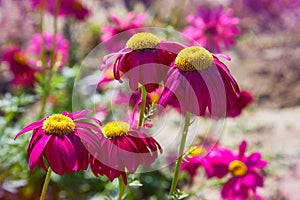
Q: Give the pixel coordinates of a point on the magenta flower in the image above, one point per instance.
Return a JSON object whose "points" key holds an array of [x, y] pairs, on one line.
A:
{"points": [[123, 149], [144, 61], [131, 21], [201, 83], [213, 29], [72, 8], [23, 74], [61, 139], [244, 178], [214, 160], [34, 49]]}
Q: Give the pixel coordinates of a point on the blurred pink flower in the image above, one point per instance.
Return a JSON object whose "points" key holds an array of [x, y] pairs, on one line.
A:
{"points": [[122, 149], [34, 50], [245, 98], [62, 139], [145, 60], [213, 29], [245, 178], [18, 64], [131, 21], [214, 159], [66, 8]]}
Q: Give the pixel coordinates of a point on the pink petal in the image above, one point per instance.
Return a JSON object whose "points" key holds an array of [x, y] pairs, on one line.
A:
{"points": [[53, 156], [30, 127], [78, 114], [67, 153], [37, 151]]}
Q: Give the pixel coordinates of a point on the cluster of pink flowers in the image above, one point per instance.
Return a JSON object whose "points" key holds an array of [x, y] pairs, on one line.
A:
{"points": [[71, 141], [189, 78], [221, 161]]}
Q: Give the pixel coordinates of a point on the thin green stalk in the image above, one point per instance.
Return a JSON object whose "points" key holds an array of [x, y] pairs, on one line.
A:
{"points": [[143, 106], [43, 59], [121, 188], [46, 184], [48, 77], [180, 152]]}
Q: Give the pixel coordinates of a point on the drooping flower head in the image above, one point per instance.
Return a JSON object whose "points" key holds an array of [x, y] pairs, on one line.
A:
{"points": [[245, 178], [61, 139], [123, 149], [213, 29], [34, 49], [18, 64], [246, 98], [201, 83], [144, 60], [72, 8]]}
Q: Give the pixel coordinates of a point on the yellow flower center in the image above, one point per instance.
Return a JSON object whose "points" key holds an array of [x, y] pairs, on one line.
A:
{"points": [[116, 129], [237, 168], [58, 124], [193, 59], [76, 5], [195, 151], [141, 41], [20, 58]]}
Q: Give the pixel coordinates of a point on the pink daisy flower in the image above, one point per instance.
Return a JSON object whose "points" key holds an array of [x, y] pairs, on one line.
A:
{"points": [[244, 178], [18, 64], [214, 159], [61, 139], [144, 60], [123, 149], [34, 49], [72, 8], [201, 83], [213, 29]]}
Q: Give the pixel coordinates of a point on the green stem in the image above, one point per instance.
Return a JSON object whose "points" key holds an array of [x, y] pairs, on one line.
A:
{"points": [[143, 106], [121, 188], [180, 152], [47, 77], [46, 183]]}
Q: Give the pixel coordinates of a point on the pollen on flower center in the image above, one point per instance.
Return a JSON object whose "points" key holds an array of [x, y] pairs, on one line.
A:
{"points": [[237, 168], [116, 129], [193, 59], [58, 124], [141, 41]]}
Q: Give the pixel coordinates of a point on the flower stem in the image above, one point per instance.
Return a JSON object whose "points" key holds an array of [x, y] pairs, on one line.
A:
{"points": [[121, 188], [46, 183], [47, 76], [142, 108], [180, 152]]}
